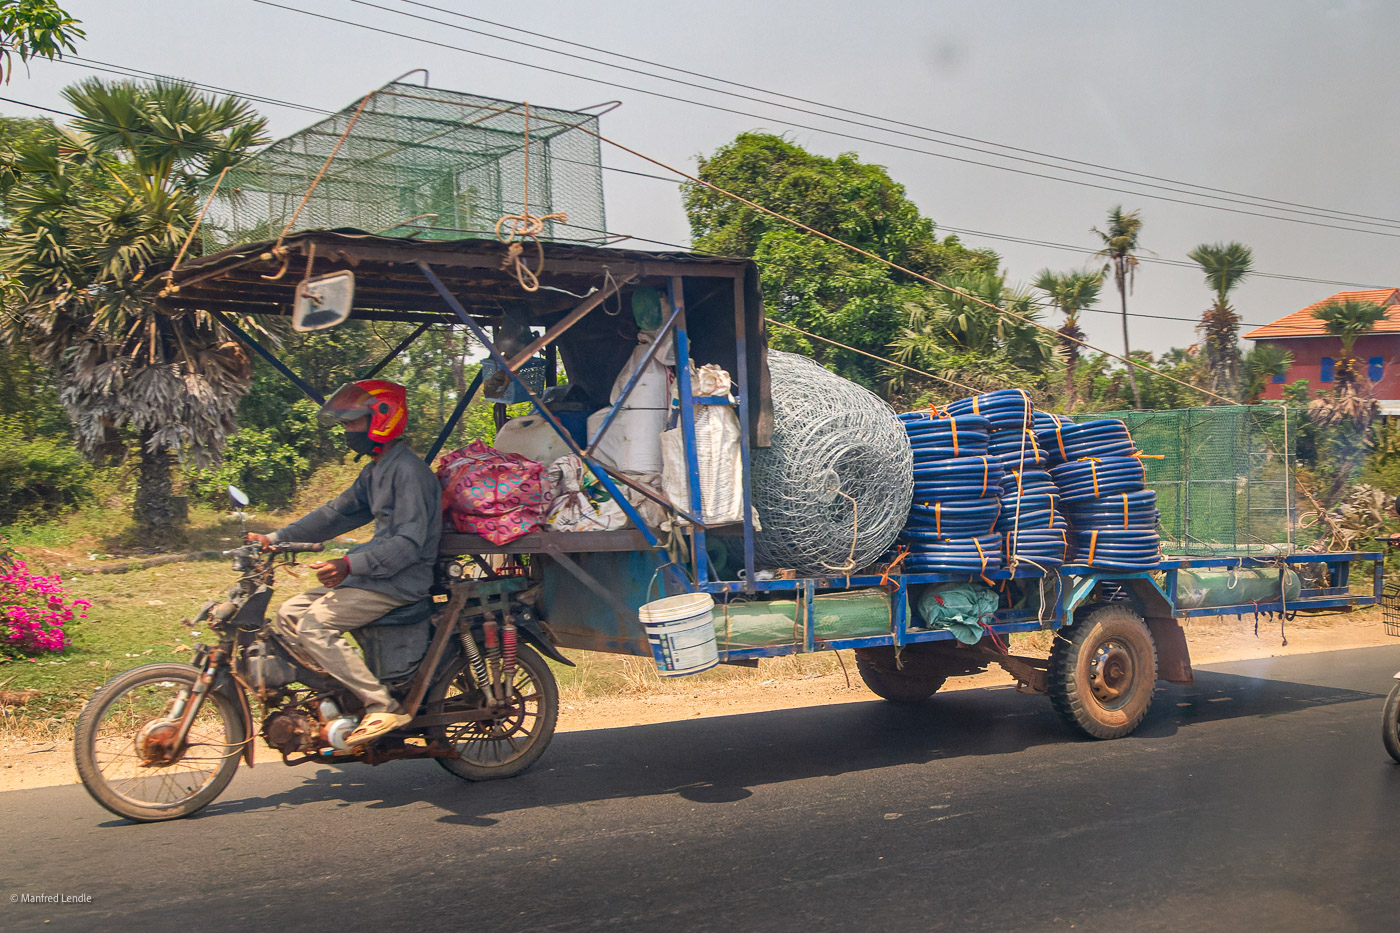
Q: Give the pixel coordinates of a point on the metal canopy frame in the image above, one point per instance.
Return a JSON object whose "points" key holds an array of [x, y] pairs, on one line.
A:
{"points": [[404, 280]]}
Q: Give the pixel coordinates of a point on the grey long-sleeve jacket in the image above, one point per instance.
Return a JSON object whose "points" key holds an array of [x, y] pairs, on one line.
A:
{"points": [[403, 497]]}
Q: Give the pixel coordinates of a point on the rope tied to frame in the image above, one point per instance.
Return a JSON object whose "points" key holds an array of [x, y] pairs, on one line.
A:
{"points": [[170, 287], [515, 229]]}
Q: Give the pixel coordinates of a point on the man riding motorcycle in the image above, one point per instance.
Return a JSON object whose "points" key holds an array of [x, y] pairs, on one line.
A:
{"points": [[403, 497]]}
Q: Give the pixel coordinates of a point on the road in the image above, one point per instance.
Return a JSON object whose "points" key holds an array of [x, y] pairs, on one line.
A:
{"points": [[1259, 799]]}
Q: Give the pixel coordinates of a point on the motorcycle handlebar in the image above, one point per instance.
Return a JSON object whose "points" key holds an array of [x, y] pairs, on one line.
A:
{"points": [[295, 547], [283, 547]]}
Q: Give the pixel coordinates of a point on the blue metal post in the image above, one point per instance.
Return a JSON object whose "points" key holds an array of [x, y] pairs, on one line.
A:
{"points": [[899, 605], [809, 617], [741, 379], [272, 361], [456, 416], [636, 377], [628, 509], [676, 292]]}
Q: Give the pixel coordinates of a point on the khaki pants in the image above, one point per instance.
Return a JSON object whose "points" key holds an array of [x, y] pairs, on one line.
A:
{"points": [[314, 625]]}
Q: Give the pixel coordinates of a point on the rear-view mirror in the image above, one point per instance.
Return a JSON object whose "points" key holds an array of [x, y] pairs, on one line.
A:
{"points": [[323, 301], [238, 497]]}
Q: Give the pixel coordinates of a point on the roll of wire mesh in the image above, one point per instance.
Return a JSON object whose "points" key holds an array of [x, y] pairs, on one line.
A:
{"points": [[833, 489]]}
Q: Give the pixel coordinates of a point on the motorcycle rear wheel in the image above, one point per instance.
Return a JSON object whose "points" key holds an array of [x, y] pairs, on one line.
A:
{"points": [[510, 744], [1390, 723], [114, 771]]}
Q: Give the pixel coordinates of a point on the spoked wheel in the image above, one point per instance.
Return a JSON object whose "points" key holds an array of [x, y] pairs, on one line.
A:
{"points": [[1390, 723], [123, 744], [507, 745], [1103, 673]]}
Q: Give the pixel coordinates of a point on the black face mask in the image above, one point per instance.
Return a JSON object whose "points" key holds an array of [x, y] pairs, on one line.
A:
{"points": [[359, 442]]}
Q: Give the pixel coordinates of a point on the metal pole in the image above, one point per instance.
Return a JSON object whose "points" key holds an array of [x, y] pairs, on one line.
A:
{"points": [[403, 345], [636, 377], [456, 416], [628, 509], [272, 361]]}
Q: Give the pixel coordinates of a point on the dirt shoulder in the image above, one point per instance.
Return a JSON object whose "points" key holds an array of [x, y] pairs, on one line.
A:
{"points": [[25, 764]]}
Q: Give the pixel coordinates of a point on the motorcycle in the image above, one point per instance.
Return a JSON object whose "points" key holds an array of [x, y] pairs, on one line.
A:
{"points": [[162, 741]]}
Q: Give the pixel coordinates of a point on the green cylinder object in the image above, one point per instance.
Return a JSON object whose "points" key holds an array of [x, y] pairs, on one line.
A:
{"points": [[1211, 589]]}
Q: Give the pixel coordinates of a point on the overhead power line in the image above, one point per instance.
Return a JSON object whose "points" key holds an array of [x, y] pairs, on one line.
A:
{"points": [[859, 113], [1346, 217], [131, 71]]}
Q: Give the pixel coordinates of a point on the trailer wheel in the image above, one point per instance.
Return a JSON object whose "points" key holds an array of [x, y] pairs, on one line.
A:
{"points": [[884, 678], [1103, 673]]}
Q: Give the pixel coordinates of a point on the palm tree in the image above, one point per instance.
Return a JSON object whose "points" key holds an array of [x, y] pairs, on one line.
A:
{"points": [[1071, 293], [1225, 266], [1119, 242], [95, 210], [1347, 321], [1260, 366]]}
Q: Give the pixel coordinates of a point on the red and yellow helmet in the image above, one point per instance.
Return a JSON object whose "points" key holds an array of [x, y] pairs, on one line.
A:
{"points": [[384, 403]]}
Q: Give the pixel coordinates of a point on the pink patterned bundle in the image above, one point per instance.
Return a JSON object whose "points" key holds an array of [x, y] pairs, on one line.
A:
{"points": [[495, 495]]}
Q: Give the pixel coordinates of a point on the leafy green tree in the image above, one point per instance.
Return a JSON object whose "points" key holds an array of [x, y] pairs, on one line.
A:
{"points": [[34, 29], [1260, 367], [92, 213], [1225, 266], [956, 335], [1120, 243], [1103, 383], [809, 282], [1071, 292]]}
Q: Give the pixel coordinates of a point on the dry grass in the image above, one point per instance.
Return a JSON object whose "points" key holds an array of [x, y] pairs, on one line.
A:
{"points": [[602, 675]]}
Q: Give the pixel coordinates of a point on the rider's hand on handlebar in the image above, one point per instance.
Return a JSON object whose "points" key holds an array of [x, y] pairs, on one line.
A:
{"points": [[331, 572], [252, 537], [1393, 540]]}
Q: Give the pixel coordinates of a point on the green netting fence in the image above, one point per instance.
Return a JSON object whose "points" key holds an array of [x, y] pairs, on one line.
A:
{"points": [[1225, 481], [423, 162]]}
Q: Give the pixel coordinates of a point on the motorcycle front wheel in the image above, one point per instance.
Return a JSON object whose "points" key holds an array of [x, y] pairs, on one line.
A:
{"points": [[122, 754], [1390, 722], [505, 746]]}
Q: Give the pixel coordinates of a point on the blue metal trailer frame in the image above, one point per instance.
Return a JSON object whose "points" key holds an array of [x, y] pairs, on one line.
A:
{"points": [[593, 582]]}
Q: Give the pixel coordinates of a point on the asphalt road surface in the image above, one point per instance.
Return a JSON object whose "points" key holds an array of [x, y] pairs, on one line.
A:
{"points": [[1259, 799]]}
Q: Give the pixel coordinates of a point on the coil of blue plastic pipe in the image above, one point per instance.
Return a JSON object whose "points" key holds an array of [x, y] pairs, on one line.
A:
{"points": [[1107, 437], [973, 555], [1082, 480]]}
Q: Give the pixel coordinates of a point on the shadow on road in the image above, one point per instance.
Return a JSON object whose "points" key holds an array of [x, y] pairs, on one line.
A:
{"points": [[719, 760]]}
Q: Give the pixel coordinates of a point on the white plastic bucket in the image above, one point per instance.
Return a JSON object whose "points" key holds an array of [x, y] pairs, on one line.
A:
{"points": [[681, 631]]}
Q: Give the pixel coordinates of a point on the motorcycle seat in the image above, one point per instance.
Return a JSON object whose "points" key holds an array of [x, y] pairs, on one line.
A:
{"points": [[410, 614]]}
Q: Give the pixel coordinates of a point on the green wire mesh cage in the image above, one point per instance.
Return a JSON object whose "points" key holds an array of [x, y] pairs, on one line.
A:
{"points": [[422, 162], [1224, 482]]}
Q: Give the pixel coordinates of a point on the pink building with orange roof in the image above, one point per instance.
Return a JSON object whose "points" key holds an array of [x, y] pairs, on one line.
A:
{"points": [[1315, 354]]}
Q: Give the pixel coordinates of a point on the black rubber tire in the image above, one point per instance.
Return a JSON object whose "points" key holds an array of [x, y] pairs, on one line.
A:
{"points": [[537, 669], [87, 732], [888, 682], [1127, 673], [1390, 723]]}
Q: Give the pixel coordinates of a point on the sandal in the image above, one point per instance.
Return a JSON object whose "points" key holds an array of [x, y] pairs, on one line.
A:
{"points": [[375, 725]]}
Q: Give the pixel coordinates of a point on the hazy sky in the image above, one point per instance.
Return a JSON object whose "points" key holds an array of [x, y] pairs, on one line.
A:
{"points": [[1287, 99]]}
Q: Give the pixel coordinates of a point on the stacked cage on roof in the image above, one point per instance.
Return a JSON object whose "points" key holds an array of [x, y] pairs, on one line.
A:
{"points": [[421, 162]]}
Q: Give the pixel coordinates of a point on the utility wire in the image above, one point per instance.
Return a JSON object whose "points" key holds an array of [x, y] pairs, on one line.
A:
{"points": [[1248, 200], [817, 129], [129, 71], [859, 113], [691, 249]]}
